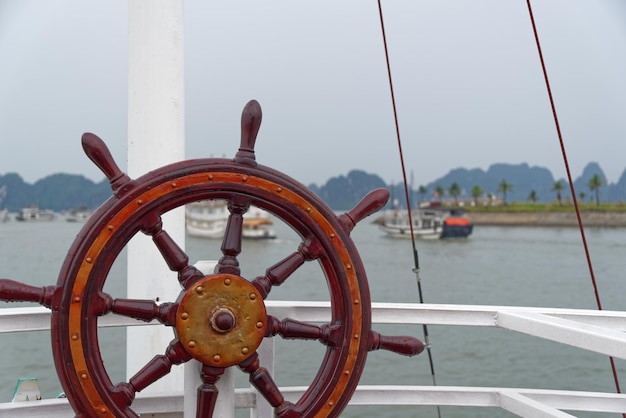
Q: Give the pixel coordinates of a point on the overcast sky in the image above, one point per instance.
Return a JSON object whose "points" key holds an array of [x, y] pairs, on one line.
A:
{"points": [[467, 78]]}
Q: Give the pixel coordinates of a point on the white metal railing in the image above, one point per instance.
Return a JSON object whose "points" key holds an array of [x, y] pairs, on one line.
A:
{"points": [[597, 331]]}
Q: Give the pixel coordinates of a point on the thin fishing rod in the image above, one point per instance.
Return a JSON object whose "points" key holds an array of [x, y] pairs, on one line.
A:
{"points": [[571, 183], [408, 201]]}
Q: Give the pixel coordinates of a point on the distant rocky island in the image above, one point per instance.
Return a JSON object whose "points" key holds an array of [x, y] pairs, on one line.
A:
{"points": [[527, 183], [61, 192]]}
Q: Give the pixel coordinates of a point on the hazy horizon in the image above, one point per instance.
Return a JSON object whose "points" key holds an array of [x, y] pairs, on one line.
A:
{"points": [[468, 84]]}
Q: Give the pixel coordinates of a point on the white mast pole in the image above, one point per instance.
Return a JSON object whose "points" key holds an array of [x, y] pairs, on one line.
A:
{"points": [[156, 136]]}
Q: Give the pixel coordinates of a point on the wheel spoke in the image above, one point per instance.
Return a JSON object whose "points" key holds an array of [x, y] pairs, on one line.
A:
{"points": [[372, 202], [176, 259], [231, 244], [159, 366], [207, 392], [407, 346], [146, 310], [276, 275], [263, 382], [142, 309], [123, 395], [12, 291], [291, 329], [99, 153]]}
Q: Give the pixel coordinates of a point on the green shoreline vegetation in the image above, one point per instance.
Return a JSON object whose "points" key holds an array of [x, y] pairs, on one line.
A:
{"points": [[559, 215], [500, 205], [515, 207]]}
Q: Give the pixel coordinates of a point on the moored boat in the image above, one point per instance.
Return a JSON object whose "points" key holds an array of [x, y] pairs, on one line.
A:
{"points": [[456, 225], [257, 224], [427, 224], [33, 213], [431, 222], [4, 213], [208, 219], [80, 214]]}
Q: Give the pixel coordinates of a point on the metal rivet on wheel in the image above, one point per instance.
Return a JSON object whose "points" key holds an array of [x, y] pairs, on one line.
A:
{"points": [[103, 410], [217, 358], [244, 178], [356, 301], [191, 344], [210, 176], [331, 403], [227, 282], [332, 235], [174, 185], [356, 336], [184, 315], [83, 376], [259, 324], [140, 202], [89, 260], [252, 296], [199, 290], [349, 266], [245, 350], [110, 227], [74, 337], [280, 189], [77, 299]]}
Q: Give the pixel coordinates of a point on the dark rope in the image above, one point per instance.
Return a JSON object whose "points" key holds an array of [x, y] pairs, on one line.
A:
{"points": [[571, 184], [408, 201]]}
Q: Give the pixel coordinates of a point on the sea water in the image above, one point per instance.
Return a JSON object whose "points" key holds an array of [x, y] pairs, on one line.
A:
{"points": [[496, 266]]}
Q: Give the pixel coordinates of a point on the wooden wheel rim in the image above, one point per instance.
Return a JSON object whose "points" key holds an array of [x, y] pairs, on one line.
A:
{"points": [[75, 340]]}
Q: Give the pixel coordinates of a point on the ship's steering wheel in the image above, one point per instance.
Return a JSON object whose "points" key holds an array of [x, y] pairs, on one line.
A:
{"points": [[219, 319]]}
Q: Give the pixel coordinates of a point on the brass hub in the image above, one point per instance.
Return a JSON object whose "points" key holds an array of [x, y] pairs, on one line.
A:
{"points": [[221, 320]]}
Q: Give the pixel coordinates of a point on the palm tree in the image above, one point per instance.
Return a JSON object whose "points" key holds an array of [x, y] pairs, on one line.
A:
{"points": [[558, 186], [504, 187], [422, 192], [582, 195], [595, 183], [533, 196], [439, 191], [454, 191], [477, 192]]}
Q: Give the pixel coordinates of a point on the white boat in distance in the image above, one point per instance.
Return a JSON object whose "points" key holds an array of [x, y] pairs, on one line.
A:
{"points": [[208, 219], [80, 214], [430, 222], [33, 213], [4, 213]]}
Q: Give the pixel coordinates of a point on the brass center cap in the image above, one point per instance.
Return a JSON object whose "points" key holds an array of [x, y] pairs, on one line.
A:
{"points": [[221, 320]]}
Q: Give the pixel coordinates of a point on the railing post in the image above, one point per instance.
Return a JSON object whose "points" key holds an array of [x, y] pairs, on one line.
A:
{"points": [[155, 138]]}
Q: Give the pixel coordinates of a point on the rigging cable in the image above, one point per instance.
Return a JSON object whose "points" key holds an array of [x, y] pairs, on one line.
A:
{"points": [[408, 201], [571, 184]]}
